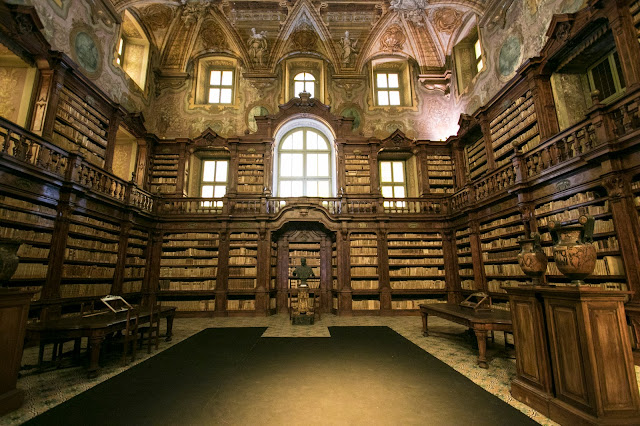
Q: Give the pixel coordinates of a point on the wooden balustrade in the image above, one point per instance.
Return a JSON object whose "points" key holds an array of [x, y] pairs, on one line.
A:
{"points": [[99, 181], [498, 181], [625, 114], [461, 199], [29, 148], [140, 199]]}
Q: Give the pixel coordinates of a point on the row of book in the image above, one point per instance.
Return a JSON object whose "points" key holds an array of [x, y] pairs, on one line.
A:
{"points": [[191, 236], [441, 190], [241, 304], [188, 272], [403, 251], [188, 261], [358, 180], [66, 136], [190, 252], [27, 250], [579, 198], [243, 251], [364, 260], [501, 243], [24, 235], [163, 180], [365, 285], [464, 240], [31, 270], [131, 286], [511, 116], [364, 243], [363, 250], [26, 218], [88, 124], [165, 189], [364, 270], [464, 250], [84, 290], [416, 271], [242, 260], [87, 271], [466, 272], [187, 285], [136, 261], [467, 284], [92, 244], [426, 260], [464, 259], [90, 256], [242, 271], [365, 304], [194, 305], [135, 251], [502, 221], [527, 117], [523, 101], [574, 214], [244, 236], [503, 269], [15, 202], [418, 285], [500, 255], [91, 232], [191, 243], [241, 284], [395, 243], [79, 104], [502, 231], [249, 179], [411, 303]]}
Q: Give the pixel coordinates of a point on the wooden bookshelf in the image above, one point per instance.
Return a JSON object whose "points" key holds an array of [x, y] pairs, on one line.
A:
{"points": [[635, 188], [90, 256], [635, 13], [363, 249], [136, 261], [164, 173], [243, 272], [250, 173], [476, 158], [609, 271], [310, 250], [440, 171], [31, 223], [499, 242], [465, 262], [81, 126], [516, 126], [357, 174]]}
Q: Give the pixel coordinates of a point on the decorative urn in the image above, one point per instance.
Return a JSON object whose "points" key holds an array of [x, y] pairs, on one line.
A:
{"points": [[573, 251], [532, 259], [8, 260]]}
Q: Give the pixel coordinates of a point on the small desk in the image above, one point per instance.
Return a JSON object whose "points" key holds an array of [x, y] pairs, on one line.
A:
{"points": [[481, 322], [95, 327]]}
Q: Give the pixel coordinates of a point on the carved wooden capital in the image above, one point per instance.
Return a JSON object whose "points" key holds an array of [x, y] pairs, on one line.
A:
{"points": [[615, 185]]}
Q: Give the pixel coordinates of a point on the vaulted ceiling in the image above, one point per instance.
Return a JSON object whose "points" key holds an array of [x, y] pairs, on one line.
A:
{"points": [[424, 30]]}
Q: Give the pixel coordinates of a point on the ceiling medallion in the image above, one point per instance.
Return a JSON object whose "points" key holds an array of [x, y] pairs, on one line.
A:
{"points": [[393, 39], [411, 10], [304, 38], [446, 19]]}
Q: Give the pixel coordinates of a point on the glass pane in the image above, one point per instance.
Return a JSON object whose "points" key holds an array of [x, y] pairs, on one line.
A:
{"points": [[297, 140], [285, 165], [387, 191], [393, 81], [399, 191], [323, 189], [207, 191], [219, 191], [385, 171], [299, 77], [227, 78], [308, 77], [299, 88], [297, 165], [312, 140], [120, 46], [394, 97], [603, 79], [383, 97], [312, 164], [214, 96], [215, 78], [480, 65], [382, 80], [616, 59], [312, 189], [225, 96], [208, 171], [221, 171], [288, 143], [322, 144], [323, 165], [309, 87], [477, 49], [285, 189], [398, 171], [296, 188]]}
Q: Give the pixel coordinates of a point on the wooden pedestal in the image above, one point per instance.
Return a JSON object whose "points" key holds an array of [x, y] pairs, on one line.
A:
{"points": [[14, 310], [589, 355]]}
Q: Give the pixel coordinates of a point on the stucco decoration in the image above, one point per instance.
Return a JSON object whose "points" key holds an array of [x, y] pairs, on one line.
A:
{"points": [[157, 16], [446, 19], [257, 46], [86, 50], [411, 10], [348, 46], [510, 55], [212, 36], [393, 39], [304, 38], [354, 112]]}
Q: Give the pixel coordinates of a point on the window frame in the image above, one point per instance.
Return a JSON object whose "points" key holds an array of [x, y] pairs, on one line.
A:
{"points": [[388, 90], [305, 151], [469, 42], [393, 184], [202, 183], [123, 45], [209, 86], [304, 83], [615, 74]]}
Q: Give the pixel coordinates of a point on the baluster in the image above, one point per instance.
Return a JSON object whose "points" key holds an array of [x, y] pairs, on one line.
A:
{"points": [[7, 142], [546, 158], [626, 119]]}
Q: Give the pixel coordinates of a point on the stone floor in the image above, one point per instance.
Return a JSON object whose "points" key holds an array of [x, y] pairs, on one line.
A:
{"points": [[447, 341]]}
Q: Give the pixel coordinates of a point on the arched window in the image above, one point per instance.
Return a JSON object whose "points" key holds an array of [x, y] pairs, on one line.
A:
{"points": [[305, 166], [304, 82]]}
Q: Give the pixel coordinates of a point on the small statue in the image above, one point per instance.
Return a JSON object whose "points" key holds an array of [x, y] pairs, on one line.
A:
{"points": [[348, 48], [257, 44], [303, 272]]}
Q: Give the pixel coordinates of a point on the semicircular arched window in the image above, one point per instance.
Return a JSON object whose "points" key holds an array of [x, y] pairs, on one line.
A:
{"points": [[304, 158], [304, 82]]}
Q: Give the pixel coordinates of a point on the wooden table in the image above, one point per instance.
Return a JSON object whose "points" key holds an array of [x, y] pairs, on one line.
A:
{"points": [[481, 322], [95, 327]]}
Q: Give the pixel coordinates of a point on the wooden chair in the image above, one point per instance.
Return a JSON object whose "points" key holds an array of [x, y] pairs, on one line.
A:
{"points": [[151, 333], [129, 336]]}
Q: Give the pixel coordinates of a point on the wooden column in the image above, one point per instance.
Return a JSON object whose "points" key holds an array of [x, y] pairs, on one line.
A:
{"points": [[268, 168], [423, 171], [182, 160], [344, 273], [263, 271], [282, 275], [488, 143], [542, 93], [374, 177], [142, 164], [383, 271], [451, 267], [123, 244], [623, 212], [112, 132], [479, 276], [461, 172], [48, 96], [151, 282], [326, 278], [222, 279], [340, 172], [626, 39]]}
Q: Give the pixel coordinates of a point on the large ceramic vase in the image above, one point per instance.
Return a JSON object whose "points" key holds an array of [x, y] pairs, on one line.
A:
{"points": [[532, 260], [573, 251], [8, 260]]}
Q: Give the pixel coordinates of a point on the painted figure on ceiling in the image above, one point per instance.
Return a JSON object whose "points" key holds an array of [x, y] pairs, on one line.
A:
{"points": [[257, 46]]}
